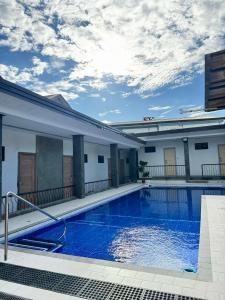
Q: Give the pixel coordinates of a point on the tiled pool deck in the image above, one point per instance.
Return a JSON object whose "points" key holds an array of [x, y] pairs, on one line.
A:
{"points": [[208, 283]]}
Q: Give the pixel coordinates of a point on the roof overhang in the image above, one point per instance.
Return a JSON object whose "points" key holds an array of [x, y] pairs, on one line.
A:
{"points": [[29, 111], [204, 131]]}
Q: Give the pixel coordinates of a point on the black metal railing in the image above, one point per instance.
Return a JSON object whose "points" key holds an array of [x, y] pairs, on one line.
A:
{"points": [[162, 171], [97, 186], [213, 170], [40, 198]]}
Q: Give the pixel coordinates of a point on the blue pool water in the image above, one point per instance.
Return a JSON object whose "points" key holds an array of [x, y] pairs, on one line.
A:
{"points": [[155, 227]]}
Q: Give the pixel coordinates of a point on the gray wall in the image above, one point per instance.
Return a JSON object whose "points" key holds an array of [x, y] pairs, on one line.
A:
{"points": [[49, 162]]}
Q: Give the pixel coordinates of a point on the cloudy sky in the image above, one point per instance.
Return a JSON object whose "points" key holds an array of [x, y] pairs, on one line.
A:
{"points": [[112, 59]]}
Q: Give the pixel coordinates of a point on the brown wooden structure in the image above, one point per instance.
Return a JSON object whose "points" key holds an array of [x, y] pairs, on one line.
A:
{"points": [[215, 81]]}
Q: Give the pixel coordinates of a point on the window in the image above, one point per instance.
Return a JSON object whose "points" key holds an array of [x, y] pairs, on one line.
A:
{"points": [[150, 149], [201, 146], [100, 159], [127, 160], [85, 158]]}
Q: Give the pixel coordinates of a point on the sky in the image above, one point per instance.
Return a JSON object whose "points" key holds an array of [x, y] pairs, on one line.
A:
{"points": [[114, 60]]}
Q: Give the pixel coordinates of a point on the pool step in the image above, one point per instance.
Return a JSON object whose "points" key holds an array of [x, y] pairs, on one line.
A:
{"points": [[37, 244]]}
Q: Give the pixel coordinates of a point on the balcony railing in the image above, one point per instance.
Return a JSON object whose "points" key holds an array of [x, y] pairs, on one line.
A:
{"points": [[92, 187], [166, 171], [40, 198], [213, 170]]}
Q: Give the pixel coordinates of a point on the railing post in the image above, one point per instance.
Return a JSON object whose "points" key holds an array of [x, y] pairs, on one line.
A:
{"points": [[6, 227], [202, 170]]}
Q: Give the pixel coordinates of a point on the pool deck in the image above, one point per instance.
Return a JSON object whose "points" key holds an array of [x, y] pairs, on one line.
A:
{"points": [[208, 283]]}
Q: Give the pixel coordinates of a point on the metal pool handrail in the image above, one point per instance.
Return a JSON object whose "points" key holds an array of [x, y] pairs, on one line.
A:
{"points": [[10, 194]]}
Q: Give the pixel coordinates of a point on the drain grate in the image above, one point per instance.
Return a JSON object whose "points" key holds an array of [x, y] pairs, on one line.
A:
{"points": [[78, 286], [71, 285], [4, 296], [126, 292], [152, 295], [96, 290]]}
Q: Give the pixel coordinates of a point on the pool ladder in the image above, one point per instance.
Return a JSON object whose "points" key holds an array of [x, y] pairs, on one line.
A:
{"points": [[6, 223]]}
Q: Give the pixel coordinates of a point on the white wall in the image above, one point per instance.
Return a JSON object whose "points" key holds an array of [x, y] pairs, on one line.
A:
{"points": [[157, 158], [197, 157], [14, 141], [93, 170], [208, 156]]}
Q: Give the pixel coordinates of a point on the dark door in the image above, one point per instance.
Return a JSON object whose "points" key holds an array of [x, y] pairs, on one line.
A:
{"points": [[27, 178], [109, 169], [122, 171], [27, 172], [68, 175]]}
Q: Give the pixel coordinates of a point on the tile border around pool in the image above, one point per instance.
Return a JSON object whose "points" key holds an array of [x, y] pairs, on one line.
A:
{"points": [[204, 272]]}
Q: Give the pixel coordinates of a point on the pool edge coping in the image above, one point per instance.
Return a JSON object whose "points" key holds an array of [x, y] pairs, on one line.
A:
{"points": [[205, 267]]}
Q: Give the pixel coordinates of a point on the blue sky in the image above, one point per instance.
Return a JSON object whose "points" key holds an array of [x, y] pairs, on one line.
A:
{"points": [[113, 60]]}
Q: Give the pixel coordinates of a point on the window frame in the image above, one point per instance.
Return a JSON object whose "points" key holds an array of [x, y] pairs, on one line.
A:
{"points": [[152, 149], [101, 159], [198, 146]]}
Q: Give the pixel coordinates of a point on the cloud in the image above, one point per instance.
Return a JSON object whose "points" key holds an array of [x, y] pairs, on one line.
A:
{"points": [[106, 121], [95, 95], [11, 73], [113, 111], [28, 77], [135, 44], [126, 94], [39, 66], [159, 108]]}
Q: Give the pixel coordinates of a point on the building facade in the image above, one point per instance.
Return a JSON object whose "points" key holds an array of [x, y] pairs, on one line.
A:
{"points": [[51, 151], [189, 147]]}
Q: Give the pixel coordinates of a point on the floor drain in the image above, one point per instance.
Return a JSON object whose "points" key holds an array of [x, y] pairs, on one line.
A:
{"points": [[4, 296], [78, 286]]}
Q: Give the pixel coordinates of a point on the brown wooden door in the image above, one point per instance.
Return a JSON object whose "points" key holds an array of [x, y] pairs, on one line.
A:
{"points": [[170, 161], [27, 172], [221, 150], [68, 175]]}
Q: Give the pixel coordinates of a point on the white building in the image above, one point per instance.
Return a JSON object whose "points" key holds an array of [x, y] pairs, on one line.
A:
{"points": [[184, 147], [51, 152], [46, 145]]}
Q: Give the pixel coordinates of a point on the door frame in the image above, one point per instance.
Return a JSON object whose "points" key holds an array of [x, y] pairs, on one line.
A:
{"points": [[18, 170], [222, 171], [175, 173], [70, 156]]}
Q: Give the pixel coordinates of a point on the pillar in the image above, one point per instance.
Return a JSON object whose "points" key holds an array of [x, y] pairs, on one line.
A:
{"points": [[0, 167], [133, 164], [78, 166], [114, 153], [186, 158]]}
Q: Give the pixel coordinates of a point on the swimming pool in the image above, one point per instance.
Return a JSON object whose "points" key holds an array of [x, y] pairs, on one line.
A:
{"points": [[154, 227]]}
